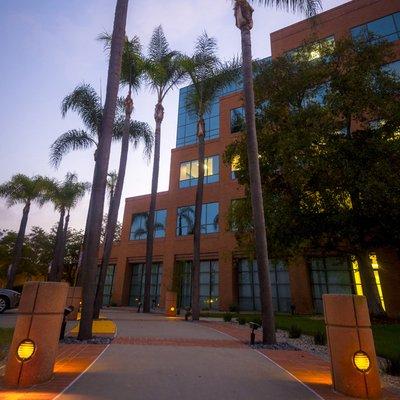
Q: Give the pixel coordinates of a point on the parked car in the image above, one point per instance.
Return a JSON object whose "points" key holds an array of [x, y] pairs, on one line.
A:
{"points": [[8, 299]]}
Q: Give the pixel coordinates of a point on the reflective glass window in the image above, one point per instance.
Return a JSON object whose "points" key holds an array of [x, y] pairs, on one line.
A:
{"points": [[385, 28], [140, 224], [209, 219], [189, 172], [237, 119]]}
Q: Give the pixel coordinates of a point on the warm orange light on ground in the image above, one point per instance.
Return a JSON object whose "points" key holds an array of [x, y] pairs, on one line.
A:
{"points": [[25, 350], [361, 361]]}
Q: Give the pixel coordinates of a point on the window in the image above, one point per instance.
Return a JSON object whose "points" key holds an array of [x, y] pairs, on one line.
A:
{"points": [[189, 172], [187, 121], [108, 284], [315, 49], [209, 285], [136, 291], [140, 221], [249, 288], [330, 275], [209, 219], [316, 95], [386, 28], [235, 166], [393, 67], [237, 119]]}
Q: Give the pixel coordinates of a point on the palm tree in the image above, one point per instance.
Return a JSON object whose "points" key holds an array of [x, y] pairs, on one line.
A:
{"points": [[64, 196], [95, 212], [21, 189], [131, 74], [208, 77], [244, 21], [163, 73]]}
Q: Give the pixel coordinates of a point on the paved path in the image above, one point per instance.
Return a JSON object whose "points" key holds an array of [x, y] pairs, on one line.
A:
{"points": [[156, 358]]}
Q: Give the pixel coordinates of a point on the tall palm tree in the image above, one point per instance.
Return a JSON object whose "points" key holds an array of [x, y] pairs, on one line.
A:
{"points": [[163, 73], [131, 74], [65, 196], [95, 212], [21, 189], [208, 77], [244, 22]]}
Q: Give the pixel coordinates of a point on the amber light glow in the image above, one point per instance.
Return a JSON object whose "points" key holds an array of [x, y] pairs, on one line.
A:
{"points": [[172, 309], [25, 350], [361, 361]]}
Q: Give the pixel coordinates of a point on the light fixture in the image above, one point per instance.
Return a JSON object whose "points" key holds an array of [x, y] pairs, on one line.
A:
{"points": [[25, 350], [362, 361], [172, 308]]}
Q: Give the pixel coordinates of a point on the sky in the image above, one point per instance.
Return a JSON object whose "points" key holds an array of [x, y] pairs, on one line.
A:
{"points": [[49, 47]]}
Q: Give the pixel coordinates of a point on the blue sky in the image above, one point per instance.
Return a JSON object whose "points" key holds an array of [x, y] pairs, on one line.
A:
{"points": [[48, 47]]}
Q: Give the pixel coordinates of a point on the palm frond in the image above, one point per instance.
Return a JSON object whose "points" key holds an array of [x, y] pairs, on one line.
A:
{"points": [[308, 7], [86, 102], [71, 140], [132, 66], [158, 46]]}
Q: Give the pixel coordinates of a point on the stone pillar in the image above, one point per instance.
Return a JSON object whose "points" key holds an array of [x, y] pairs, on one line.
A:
{"points": [[300, 285], [74, 299], [354, 365], [38, 325], [170, 303]]}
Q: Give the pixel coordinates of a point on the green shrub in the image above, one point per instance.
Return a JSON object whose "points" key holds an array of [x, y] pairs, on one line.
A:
{"points": [[393, 367], [241, 320], [295, 331], [227, 317], [320, 338], [234, 308]]}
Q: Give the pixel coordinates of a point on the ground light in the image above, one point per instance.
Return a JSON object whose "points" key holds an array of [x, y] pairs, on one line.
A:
{"points": [[25, 350], [362, 361]]}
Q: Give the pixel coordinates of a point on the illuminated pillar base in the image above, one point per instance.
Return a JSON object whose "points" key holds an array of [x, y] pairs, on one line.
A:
{"points": [[170, 303], [353, 360], [74, 299], [38, 325]]}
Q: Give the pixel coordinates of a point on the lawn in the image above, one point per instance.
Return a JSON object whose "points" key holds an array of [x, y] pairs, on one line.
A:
{"points": [[386, 337], [5, 340]]}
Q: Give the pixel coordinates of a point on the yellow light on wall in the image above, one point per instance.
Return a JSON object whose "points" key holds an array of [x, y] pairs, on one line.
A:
{"points": [[172, 309], [25, 350], [361, 361]]}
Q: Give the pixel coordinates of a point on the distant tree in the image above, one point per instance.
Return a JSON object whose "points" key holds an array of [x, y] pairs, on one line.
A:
{"points": [[163, 73], [65, 196], [208, 76], [329, 153], [22, 190]]}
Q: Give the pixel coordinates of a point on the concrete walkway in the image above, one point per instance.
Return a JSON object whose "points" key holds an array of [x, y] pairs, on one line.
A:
{"points": [[156, 358]]}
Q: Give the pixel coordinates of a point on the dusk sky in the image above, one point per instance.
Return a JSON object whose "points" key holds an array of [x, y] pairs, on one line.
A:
{"points": [[50, 46]]}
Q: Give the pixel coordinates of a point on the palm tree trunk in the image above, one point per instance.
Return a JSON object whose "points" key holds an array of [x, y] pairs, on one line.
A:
{"points": [[89, 259], [12, 272], [370, 289], [197, 224], [114, 207], [64, 243], [244, 21], [56, 264], [158, 116]]}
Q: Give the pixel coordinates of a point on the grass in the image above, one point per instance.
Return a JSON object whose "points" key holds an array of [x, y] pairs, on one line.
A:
{"points": [[5, 340], [386, 336]]}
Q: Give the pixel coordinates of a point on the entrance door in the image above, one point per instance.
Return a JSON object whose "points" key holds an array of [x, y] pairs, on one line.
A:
{"points": [[136, 291]]}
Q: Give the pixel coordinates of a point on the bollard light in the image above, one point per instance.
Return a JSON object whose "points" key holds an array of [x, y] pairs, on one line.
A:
{"points": [[172, 308], [25, 350], [361, 361]]}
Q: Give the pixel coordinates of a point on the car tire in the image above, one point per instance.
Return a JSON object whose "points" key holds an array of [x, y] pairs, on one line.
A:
{"points": [[4, 304]]}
